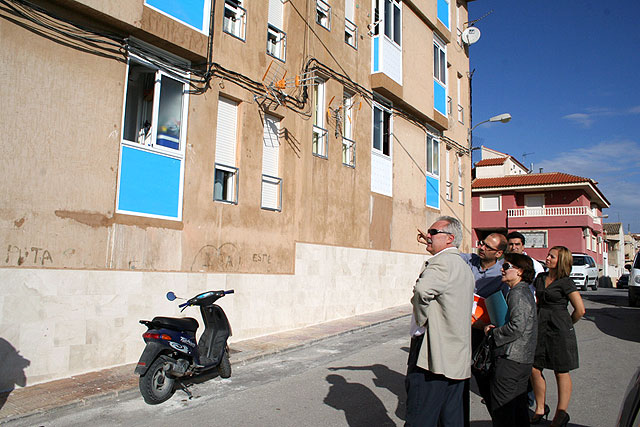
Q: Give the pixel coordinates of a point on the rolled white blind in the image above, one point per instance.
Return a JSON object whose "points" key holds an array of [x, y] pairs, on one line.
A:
{"points": [[275, 14], [226, 134], [348, 10]]}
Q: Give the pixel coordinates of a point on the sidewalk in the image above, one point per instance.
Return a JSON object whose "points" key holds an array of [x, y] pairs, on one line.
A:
{"points": [[109, 383]]}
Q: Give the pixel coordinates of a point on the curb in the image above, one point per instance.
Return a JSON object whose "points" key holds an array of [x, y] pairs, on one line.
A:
{"points": [[119, 381]]}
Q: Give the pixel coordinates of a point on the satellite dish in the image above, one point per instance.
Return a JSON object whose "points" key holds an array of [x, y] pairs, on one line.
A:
{"points": [[471, 35]]}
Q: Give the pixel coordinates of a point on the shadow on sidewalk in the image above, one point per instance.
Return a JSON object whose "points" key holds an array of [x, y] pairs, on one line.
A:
{"points": [[12, 367]]}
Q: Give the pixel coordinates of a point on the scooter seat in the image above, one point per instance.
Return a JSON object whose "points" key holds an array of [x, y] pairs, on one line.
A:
{"points": [[176, 323]]}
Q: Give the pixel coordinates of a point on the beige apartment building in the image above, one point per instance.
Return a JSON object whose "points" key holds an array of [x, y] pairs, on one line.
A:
{"points": [[287, 149]]}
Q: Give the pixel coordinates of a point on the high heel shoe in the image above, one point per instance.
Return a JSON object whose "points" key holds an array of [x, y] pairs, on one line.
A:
{"points": [[561, 419], [538, 417]]}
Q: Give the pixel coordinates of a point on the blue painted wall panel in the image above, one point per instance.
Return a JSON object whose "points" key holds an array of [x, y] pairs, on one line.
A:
{"points": [[376, 54], [439, 97], [443, 12], [188, 11], [433, 192], [149, 183]]}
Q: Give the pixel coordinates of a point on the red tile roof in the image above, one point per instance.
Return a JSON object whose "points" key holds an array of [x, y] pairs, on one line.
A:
{"points": [[529, 179], [492, 162], [538, 179]]}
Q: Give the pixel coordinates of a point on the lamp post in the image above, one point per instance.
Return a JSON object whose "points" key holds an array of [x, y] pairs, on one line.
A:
{"points": [[502, 118]]}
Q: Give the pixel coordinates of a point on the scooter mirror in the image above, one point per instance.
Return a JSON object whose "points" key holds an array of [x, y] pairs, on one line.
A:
{"points": [[171, 296]]}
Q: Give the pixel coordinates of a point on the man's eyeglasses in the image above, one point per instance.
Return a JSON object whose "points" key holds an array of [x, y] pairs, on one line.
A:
{"points": [[506, 266], [433, 232], [482, 243]]}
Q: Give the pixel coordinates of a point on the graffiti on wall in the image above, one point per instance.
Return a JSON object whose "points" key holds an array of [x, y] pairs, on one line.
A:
{"points": [[211, 258], [30, 256]]}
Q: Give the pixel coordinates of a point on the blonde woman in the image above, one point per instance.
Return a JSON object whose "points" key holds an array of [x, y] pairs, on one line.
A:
{"points": [[557, 348]]}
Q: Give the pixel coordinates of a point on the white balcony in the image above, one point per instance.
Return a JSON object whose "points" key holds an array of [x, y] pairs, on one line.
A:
{"points": [[557, 211]]}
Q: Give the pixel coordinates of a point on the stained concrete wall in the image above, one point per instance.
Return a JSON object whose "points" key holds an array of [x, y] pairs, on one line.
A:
{"points": [[66, 322]]}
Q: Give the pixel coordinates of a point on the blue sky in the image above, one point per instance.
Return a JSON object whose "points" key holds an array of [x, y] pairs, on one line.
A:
{"points": [[568, 71]]}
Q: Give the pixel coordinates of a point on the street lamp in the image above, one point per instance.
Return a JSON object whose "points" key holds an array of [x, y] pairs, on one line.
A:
{"points": [[502, 118]]}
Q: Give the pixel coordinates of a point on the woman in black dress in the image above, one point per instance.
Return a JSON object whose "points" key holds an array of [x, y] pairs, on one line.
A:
{"points": [[557, 348]]}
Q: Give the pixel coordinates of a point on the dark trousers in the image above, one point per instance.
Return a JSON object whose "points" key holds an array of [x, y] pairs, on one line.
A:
{"points": [[483, 381], [432, 399]]}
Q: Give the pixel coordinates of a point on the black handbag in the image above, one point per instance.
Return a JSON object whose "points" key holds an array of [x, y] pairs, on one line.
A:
{"points": [[482, 357]]}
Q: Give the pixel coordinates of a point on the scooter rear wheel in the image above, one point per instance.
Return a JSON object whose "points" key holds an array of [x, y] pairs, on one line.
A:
{"points": [[155, 385], [224, 369]]}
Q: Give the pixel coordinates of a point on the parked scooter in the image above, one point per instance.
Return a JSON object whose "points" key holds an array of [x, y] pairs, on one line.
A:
{"points": [[172, 354]]}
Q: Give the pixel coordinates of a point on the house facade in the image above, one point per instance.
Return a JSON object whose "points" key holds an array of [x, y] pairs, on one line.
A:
{"points": [[614, 238], [549, 209], [284, 149]]}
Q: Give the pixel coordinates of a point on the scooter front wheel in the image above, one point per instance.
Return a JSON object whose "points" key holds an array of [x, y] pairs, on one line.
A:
{"points": [[224, 369], [155, 385]]}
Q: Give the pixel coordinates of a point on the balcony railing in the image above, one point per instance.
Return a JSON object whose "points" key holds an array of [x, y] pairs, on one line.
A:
{"points": [[557, 211]]}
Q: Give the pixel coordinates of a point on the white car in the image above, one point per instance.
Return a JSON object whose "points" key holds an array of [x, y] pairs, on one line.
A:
{"points": [[584, 272], [634, 282]]}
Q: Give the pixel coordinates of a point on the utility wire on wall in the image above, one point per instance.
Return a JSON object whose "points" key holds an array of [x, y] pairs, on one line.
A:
{"points": [[118, 47]]}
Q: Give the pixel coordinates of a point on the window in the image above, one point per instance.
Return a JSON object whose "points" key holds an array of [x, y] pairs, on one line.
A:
{"points": [[433, 156], [381, 129], [276, 38], [460, 186], [348, 144], [443, 12], [534, 204], [382, 149], [153, 141], [490, 203], [323, 14], [225, 187], [459, 24], [271, 182], [234, 20], [448, 184], [196, 15], [319, 138], [535, 238], [276, 43], [350, 28], [439, 76], [433, 172], [460, 107], [392, 19]]}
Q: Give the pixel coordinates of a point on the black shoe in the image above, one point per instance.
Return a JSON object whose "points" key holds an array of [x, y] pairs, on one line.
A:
{"points": [[561, 419], [538, 417]]}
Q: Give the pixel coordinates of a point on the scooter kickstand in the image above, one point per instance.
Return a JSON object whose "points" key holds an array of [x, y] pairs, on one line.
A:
{"points": [[185, 388]]}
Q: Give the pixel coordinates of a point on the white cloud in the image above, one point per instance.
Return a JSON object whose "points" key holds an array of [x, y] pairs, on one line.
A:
{"points": [[580, 118], [591, 114]]}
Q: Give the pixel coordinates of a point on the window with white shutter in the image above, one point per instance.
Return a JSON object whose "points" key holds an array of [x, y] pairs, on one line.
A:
{"points": [[490, 203], [350, 27], [225, 187], [271, 182], [276, 37]]}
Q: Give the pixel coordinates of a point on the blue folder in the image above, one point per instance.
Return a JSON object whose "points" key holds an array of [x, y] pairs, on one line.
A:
{"points": [[497, 308]]}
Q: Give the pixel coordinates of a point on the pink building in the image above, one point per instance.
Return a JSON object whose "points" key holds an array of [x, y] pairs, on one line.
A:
{"points": [[548, 208]]}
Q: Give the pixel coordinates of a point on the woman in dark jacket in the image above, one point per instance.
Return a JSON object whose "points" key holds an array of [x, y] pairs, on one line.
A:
{"points": [[515, 345], [557, 348]]}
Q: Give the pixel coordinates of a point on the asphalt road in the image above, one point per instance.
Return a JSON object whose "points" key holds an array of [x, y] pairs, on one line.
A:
{"points": [[358, 380]]}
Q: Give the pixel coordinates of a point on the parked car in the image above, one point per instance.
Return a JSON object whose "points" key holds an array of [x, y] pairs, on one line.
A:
{"points": [[634, 282], [584, 272], [623, 281]]}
